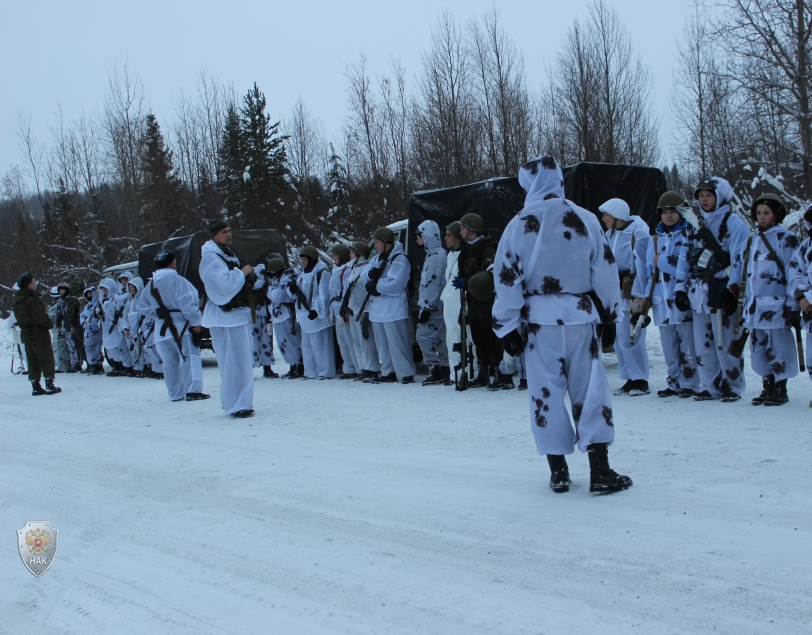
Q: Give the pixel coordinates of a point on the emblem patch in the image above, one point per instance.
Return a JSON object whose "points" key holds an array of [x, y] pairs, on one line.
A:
{"points": [[37, 542]]}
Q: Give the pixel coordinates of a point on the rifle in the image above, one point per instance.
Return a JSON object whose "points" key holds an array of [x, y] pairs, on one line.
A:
{"points": [[137, 344], [116, 315], [461, 382], [799, 344], [646, 320], [737, 344], [375, 274], [18, 346], [166, 315], [345, 311]]}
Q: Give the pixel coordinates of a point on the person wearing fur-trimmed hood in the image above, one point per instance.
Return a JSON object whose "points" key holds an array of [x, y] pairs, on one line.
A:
{"points": [[556, 286]]}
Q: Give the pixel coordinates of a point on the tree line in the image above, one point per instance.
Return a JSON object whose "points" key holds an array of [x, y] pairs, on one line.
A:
{"points": [[107, 182]]}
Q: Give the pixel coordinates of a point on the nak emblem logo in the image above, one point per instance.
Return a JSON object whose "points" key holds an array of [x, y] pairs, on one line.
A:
{"points": [[37, 542]]}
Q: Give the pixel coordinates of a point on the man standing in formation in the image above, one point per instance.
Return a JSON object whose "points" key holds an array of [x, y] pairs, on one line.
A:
{"points": [[171, 301], [386, 280], [702, 285], [227, 315], [628, 238], [351, 369], [477, 254], [557, 284], [356, 315], [35, 325], [311, 292], [431, 335], [283, 315]]}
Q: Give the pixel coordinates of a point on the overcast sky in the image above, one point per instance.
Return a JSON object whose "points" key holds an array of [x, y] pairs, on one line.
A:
{"points": [[61, 51]]}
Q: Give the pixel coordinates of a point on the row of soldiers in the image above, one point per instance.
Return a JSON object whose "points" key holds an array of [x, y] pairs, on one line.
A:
{"points": [[557, 285]]}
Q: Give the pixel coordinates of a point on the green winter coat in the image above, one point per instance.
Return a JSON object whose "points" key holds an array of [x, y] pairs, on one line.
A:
{"points": [[32, 317]]}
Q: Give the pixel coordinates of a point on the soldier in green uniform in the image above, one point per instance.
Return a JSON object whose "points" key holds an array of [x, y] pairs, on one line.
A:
{"points": [[32, 318], [477, 254]]}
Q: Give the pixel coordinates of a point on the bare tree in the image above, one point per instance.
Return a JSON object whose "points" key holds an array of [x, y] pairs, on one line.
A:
{"points": [[445, 134], [771, 60], [504, 104], [601, 94]]}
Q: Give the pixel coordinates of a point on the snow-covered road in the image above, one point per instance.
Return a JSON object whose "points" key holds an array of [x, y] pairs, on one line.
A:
{"points": [[350, 508]]}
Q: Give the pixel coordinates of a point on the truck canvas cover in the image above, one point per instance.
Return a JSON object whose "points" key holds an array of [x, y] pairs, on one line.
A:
{"points": [[498, 200], [250, 245]]}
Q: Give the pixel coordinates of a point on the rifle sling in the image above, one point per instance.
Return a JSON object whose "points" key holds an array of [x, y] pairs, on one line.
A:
{"points": [[769, 247]]}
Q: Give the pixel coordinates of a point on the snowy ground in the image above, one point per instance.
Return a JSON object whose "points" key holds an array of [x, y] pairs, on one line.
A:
{"points": [[350, 508]]}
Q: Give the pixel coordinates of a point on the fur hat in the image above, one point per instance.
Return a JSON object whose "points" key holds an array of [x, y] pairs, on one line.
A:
{"points": [[24, 280], [164, 259], [216, 226]]}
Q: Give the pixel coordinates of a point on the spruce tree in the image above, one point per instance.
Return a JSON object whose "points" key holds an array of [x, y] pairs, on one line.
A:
{"points": [[338, 196], [161, 189], [264, 160], [230, 181]]}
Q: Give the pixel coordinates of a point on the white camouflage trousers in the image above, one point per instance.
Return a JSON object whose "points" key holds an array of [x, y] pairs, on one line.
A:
{"points": [[346, 346], [181, 376], [263, 341], [719, 372], [773, 352], [366, 353], [93, 347], [289, 340], [318, 354], [394, 342], [234, 350], [632, 360], [680, 357], [560, 360], [431, 340]]}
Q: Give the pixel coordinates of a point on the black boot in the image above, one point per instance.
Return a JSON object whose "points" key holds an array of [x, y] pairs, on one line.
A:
{"points": [[437, 375], [502, 382], [196, 396], [602, 478], [36, 389], [483, 377], [559, 473], [391, 378], [778, 396], [50, 389], [116, 369], [522, 384], [767, 385]]}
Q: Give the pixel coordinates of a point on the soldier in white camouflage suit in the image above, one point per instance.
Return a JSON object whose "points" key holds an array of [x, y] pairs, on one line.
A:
{"points": [[556, 279]]}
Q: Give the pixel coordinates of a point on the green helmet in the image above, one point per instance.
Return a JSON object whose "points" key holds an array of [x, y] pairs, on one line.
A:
{"points": [[342, 251], [385, 234], [774, 202], [275, 264], [310, 251], [361, 249], [708, 185], [481, 286], [454, 230], [671, 200], [473, 222], [273, 255]]}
